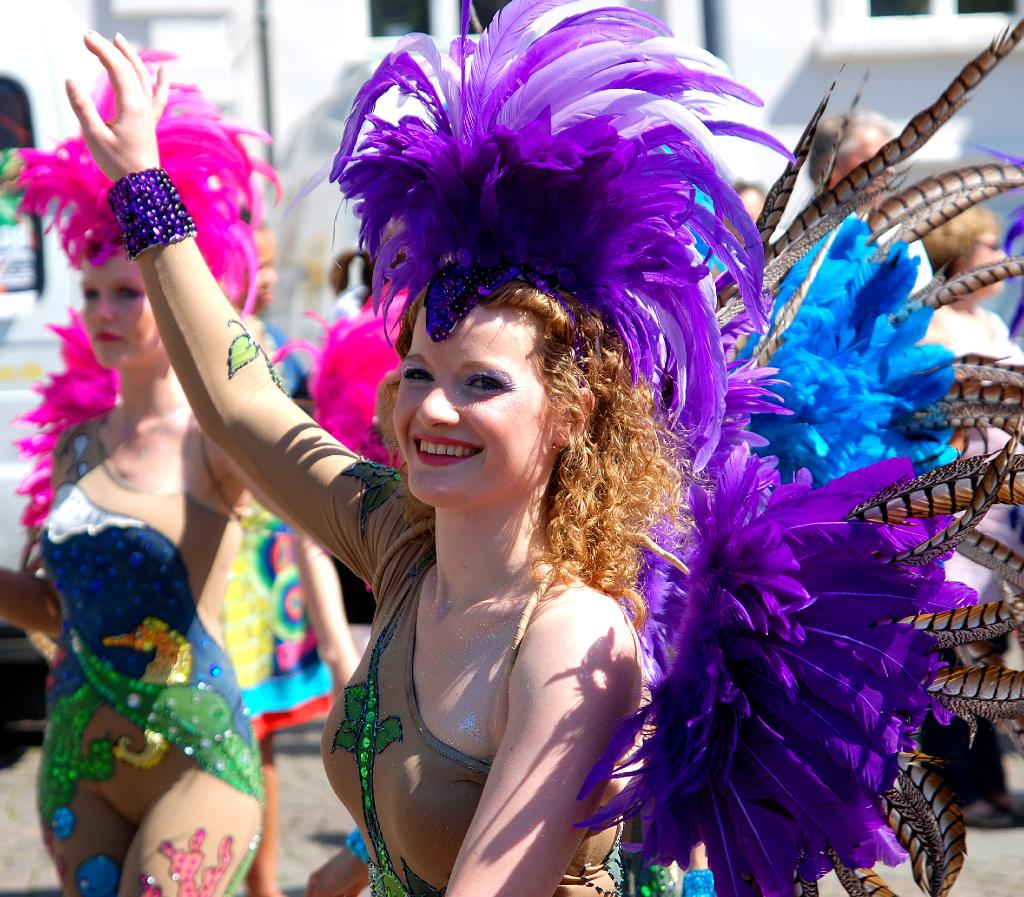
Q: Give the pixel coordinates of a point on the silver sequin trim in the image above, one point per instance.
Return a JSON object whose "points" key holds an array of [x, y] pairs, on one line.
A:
{"points": [[74, 513]]}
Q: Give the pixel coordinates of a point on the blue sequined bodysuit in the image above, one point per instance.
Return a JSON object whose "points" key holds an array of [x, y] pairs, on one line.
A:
{"points": [[133, 641]]}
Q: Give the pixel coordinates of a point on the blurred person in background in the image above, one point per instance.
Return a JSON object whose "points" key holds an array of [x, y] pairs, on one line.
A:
{"points": [[350, 295], [968, 241], [150, 777], [841, 143], [966, 326], [272, 337], [284, 623], [752, 196]]}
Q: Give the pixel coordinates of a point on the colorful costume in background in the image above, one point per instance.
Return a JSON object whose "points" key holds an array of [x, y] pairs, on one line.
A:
{"points": [[267, 631], [573, 147], [150, 768]]}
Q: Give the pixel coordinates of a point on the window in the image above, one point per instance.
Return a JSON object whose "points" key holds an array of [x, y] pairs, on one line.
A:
{"points": [[486, 9], [969, 6], [901, 29], [899, 7], [21, 260], [392, 18], [934, 7]]}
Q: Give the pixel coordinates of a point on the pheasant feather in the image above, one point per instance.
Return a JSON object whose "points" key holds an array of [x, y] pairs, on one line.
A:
{"points": [[915, 134], [979, 622]]}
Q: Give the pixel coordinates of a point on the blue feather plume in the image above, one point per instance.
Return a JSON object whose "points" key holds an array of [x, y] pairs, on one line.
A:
{"points": [[847, 373]]}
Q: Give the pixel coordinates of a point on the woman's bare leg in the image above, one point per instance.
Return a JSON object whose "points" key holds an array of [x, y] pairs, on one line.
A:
{"points": [[197, 840], [262, 878], [88, 840]]}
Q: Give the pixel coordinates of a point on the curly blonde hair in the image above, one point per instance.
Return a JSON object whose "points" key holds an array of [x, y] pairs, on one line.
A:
{"points": [[956, 238], [621, 476]]}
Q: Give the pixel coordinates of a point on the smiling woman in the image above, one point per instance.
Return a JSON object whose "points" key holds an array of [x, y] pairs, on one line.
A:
{"points": [[615, 468], [544, 220], [531, 415]]}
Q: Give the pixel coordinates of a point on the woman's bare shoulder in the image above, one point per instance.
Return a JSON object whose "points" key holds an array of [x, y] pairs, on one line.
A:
{"points": [[578, 626]]}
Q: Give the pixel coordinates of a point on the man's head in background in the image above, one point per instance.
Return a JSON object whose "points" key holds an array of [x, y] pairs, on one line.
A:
{"points": [[752, 196], [852, 137], [266, 274]]}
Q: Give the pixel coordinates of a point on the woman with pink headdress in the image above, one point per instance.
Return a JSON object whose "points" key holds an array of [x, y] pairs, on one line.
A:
{"points": [[150, 780]]}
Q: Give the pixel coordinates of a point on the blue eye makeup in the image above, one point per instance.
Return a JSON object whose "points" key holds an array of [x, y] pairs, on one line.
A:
{"points": [[491, 381], [479, 381], [415, 373]]}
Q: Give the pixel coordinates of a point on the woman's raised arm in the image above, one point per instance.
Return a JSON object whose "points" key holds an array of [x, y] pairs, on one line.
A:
{"points": [[226, 375]]}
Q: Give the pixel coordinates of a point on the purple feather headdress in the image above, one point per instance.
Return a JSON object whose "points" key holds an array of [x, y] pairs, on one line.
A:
{"points": [[567, 148], [206, 158]]}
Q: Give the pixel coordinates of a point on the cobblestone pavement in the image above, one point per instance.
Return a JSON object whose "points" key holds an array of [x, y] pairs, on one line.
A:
{"points": [[313, 824]]}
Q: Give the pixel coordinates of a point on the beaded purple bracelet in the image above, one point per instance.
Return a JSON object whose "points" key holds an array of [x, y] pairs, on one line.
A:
{"points": [[149, 211]]}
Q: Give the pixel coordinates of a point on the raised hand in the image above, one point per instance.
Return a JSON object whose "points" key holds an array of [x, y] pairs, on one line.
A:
{"points": [[127, 143]]}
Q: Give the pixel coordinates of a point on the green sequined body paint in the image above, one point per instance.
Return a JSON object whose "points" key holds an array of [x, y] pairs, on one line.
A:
{"points": [[379, 482], [66, 759], [366, 733], [194, 718]]}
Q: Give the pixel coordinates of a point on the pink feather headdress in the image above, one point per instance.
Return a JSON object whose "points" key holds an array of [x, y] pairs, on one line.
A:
{"points": [[351, 360], [206, 157], [81, 391]]}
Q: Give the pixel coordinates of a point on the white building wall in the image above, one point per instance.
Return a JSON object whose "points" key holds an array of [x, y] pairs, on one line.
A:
{"points": [[788, 51]]}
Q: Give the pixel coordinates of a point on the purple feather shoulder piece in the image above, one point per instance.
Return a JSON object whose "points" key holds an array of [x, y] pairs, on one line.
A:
{"points": [[570, 144], [775, 727]]}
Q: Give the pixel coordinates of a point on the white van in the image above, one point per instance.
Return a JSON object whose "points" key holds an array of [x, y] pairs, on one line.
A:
{"points": [[40, 45]]}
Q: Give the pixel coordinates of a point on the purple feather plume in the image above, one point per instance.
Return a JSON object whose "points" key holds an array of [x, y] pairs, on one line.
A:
{"points": [[573, 138], [748, 391], [776, 725]]}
